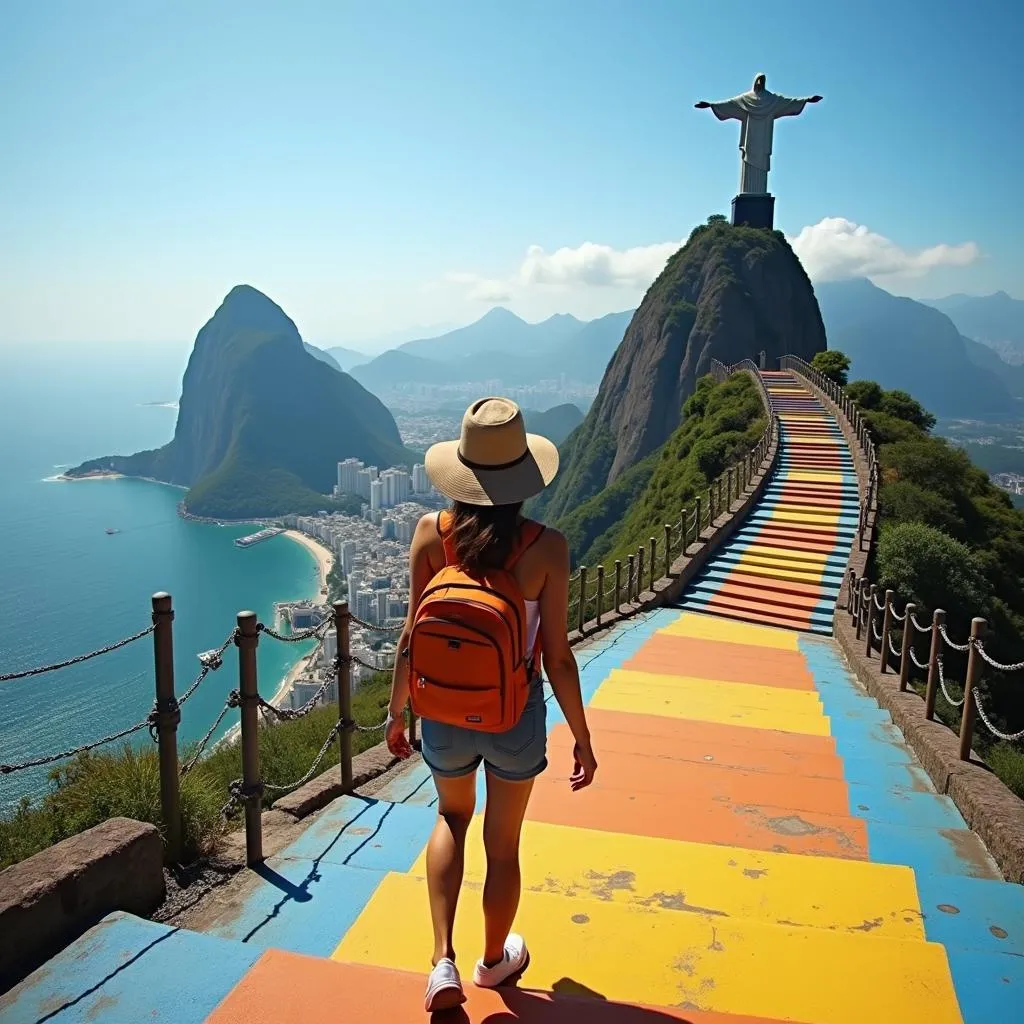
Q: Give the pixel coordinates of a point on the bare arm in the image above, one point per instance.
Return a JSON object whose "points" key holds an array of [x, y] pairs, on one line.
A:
{"points": [[420, 573], [559, 661]]}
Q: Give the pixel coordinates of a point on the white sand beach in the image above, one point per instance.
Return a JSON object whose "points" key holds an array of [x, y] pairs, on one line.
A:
{"points": [[324, 556], [325, 561]]}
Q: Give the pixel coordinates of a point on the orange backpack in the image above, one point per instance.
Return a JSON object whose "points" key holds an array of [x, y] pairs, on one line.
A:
{"points": [[467, 658]]}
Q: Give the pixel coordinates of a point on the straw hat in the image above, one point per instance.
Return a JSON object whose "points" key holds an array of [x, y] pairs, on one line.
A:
{"points": [[495, 461]]}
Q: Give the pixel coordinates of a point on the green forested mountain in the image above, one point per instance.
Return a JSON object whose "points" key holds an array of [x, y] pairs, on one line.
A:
{"points": [[262, 423], [556, 424], [721, 423], [729, 293]]}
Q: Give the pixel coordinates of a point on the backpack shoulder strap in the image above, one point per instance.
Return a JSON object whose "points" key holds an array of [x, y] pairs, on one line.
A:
{"points": [[529, 534], [444, 526]]}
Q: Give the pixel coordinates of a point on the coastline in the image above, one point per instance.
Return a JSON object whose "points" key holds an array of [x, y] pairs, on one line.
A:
{"points": [[324, 556], [325, 562]]}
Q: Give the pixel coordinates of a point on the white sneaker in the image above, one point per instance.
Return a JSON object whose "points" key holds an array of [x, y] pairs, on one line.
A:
{"points": [[444, 987], [516, 959]]}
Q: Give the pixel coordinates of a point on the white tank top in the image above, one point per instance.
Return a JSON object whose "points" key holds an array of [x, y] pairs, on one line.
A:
{"points": [[532, 623]]}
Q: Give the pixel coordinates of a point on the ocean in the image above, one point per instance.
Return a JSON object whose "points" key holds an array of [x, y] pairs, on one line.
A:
{"points": [[67, 587]]}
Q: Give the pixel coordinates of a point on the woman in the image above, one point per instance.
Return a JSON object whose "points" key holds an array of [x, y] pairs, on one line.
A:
{"points": [[488, 473]]}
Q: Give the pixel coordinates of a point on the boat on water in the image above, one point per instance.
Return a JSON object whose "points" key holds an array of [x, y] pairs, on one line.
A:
{"points": [[111, 529]]}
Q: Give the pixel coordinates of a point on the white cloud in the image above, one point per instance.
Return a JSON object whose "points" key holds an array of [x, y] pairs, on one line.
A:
{"points": [[595, 265], [592, 278], [836, 248]]}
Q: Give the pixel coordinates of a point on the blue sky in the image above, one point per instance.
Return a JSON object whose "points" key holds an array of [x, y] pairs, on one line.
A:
{"points": [[379, 165]]}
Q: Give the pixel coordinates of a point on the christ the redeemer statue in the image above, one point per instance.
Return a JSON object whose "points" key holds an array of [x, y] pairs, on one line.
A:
{"points": [[756, 111]]}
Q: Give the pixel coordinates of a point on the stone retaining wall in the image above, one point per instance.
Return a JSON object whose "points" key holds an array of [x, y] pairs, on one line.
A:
{"points": [[50, 899]]}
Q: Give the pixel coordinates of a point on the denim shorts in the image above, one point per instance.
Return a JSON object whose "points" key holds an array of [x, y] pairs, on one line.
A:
{"points": [[516, 755]]}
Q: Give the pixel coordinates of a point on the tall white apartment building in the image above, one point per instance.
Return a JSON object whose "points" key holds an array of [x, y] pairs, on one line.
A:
{"points": [[377, 495], [420, 481], [348, 476]]}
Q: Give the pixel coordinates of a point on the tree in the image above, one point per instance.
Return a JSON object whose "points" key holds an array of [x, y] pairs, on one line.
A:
{"points": [[834, 365], [866, 393], [930, 568], [899, 404]]}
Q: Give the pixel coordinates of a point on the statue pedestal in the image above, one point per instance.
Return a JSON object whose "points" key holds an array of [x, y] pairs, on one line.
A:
{"points": [[753, 211]]}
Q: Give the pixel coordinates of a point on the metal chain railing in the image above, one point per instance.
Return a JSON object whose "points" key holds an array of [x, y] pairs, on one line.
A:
{"points": [[951, 643], [233, 700], [1010, 737], [980, 648], [295, 638], [942, 685], [78, 659], [37, 762], [862, 605]]}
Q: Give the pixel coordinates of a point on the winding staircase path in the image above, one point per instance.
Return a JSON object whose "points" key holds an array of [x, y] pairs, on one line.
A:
{"points": [[760, 844]]}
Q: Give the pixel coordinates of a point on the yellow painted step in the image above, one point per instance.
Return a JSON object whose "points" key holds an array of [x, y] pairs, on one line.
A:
{"points": [[774, 571], [794, 514], [665, 958], [638, 703], [698, 690], [789, 556], [727, 881], [708, 627], [811, 476]]}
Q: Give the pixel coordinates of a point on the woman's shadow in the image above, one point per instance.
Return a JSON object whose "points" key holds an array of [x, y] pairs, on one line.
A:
{"points": [[569, 1001]]}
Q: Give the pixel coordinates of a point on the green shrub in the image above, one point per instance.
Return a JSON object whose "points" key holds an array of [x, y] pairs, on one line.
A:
{"points": [[125, 782], [834, 365]]}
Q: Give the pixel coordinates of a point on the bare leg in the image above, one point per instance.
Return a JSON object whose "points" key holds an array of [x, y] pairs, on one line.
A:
{"points": [[503, 823], [456, 799]]}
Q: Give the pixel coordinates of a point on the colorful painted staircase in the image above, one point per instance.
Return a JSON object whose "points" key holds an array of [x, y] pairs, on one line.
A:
{"points": [[760, 845], [785, 565]]}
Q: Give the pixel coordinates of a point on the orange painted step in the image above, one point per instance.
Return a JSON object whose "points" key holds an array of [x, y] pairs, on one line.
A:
{"points": [[742, 591], [676, 816], [775, 538], [701, 783], [282, 987], [709, 659], [780, 590], [757, 611], [714, 734], [704, 750]]}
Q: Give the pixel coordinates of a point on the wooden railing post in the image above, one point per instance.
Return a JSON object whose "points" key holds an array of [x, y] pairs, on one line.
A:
{"points": [[168, 715], [618, 585], [630, 580], [684, 532], [654, 558], [247, 639], [720, 504], [668, 550], [639, 571], [851, 596], [862, 590], [883, 647], [698, 527], [342, 627], [908, 639], [600, 593], [938, 621], [974, 667], [729, 481], [711, 506], [582, 612], [872, 590]]}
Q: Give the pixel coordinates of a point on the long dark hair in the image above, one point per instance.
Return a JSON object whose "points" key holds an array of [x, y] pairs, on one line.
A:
{"points": [[483, 535]]}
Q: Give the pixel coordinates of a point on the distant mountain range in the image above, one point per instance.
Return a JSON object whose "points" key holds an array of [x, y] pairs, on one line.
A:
{"points": [[500, 346], [995, 320], [906, 344], [262, 423]]}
